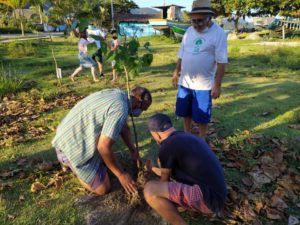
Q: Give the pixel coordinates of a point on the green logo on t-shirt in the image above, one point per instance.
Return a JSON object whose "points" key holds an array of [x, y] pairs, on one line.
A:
{"points": [[197, 45]]}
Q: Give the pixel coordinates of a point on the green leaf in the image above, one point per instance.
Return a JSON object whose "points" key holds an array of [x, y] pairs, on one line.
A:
{"points": [[84, 22], [146, 60], [147, 47], [133, 47]]}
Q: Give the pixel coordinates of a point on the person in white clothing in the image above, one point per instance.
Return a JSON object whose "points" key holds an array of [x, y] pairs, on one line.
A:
{"points": [[200, 68], [94, 35]]}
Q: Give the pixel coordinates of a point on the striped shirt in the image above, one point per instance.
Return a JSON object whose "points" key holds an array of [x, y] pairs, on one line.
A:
{"points": [[102, 113]]}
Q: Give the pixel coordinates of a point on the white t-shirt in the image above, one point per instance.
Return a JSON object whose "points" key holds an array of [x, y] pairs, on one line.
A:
{"points": [[95, 32], [200, 53]]}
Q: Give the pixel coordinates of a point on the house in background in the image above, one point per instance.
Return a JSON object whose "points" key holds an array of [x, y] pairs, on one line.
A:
{"points": [[170, 17], [170, 12], [136, 23]]}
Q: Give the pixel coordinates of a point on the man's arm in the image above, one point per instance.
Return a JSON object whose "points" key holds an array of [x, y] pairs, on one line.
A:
{"points": [[105, 149], [216, 90], [126, 137], [163, 173], [176, 73]]}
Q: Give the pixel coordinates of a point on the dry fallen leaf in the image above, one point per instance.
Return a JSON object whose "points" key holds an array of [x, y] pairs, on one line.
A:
{"points": [[57, 182], [293, 220], [11, 217], [260, 178], [45, 166], [22, 162], [6, 174], [295, 126], [271, 171], [247, 181], [37, 186], [278, 203], [21, 198], [273, 214], [259, 206]]}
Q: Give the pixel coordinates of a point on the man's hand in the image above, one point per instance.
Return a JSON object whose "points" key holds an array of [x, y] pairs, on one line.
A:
{"points": [[175, 78], [216, 91], [149, 165], [127, 183]]}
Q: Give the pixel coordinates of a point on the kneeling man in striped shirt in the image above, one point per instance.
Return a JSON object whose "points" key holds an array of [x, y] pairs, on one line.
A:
{"points": [[85, 137]]}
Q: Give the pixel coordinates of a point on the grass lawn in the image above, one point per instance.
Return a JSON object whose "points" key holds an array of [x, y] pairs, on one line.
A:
{"points": [[259, 108]]}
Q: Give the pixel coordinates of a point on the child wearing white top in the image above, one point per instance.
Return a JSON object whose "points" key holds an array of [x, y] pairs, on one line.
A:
{"points": [[85, 61]]}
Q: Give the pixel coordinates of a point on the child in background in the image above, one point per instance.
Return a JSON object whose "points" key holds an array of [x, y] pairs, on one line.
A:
{"points": [[114, 46], [85, 60]]}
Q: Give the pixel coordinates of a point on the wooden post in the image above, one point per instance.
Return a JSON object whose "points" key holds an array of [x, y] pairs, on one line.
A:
{"points": [[283, 32]]}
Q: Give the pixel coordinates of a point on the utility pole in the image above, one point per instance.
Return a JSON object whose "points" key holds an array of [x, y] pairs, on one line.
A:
{"points": [[112, 14]]}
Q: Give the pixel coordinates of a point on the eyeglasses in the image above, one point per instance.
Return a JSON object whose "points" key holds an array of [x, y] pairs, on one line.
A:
{"points": [[199, 21]]}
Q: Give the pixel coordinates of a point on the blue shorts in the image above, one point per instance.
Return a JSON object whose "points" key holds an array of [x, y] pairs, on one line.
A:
{"points": [[194, 103]]}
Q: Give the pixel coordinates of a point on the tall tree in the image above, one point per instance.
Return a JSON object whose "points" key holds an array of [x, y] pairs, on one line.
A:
{"points": [[98, 12], [16, 4], [242, 8]]}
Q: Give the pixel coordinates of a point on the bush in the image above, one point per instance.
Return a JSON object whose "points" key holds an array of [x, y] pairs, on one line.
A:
{"points": [[20, 49]]}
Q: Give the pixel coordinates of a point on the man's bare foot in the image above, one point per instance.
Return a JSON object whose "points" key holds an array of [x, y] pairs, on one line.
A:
{"points": [[113, 80], [96, 80], [71, 78]]}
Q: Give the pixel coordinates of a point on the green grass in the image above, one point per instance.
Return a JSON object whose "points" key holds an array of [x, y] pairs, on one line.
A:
{"points": [[259, 79]]}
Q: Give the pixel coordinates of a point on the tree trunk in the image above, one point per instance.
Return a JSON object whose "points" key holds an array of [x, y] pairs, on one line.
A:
{"points": [[15, 16], [40, 13], [22, 27], [236, 24], [21, 21]]}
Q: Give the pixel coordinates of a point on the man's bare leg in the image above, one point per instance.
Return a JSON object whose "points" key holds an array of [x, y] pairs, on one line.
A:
{"points": [[102, 189], [203, 127], [156, 194], [187, 122]]}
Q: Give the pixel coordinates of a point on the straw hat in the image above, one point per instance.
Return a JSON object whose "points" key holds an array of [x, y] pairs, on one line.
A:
{"points": [[202, 6]]}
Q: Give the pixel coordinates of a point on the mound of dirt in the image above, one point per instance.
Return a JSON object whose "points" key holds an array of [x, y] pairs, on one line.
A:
{"points": [[118, 208]]}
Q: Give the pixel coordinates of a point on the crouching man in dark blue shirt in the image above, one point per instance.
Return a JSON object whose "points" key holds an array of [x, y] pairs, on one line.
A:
{"points": [[199, 180]]}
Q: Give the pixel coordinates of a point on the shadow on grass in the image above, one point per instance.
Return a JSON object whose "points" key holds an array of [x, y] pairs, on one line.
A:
{"points": [[262, 107]]}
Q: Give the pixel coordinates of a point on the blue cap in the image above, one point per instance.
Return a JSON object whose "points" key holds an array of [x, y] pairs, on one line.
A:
{"points": [[159, 123]]}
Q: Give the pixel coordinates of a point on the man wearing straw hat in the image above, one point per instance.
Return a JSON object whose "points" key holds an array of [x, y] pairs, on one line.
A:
{"points": [[201, 65], [85, 137]]}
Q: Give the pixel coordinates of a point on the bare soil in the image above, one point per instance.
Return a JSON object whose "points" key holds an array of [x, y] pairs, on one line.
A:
{"points": [[118, 208]]}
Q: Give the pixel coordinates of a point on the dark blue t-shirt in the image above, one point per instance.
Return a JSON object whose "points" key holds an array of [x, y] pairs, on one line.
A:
{"points": [[192, 162]]}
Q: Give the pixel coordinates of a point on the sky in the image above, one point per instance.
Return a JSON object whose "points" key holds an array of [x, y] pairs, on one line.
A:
{"points": [[151, 3]]}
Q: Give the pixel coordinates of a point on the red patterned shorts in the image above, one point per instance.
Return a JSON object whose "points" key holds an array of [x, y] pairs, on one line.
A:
{"points": [[189, 197]]}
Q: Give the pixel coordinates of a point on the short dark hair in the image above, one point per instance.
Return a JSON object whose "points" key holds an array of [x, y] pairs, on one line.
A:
{"points": [[114, 31], [159, 122], [142, 93], [83, 34]]}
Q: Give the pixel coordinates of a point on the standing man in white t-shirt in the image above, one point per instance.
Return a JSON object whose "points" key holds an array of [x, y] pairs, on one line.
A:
{"points": [[200, 68]]}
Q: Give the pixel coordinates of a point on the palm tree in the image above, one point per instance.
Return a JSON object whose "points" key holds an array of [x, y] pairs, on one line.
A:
{"points": [[16, 4]]}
